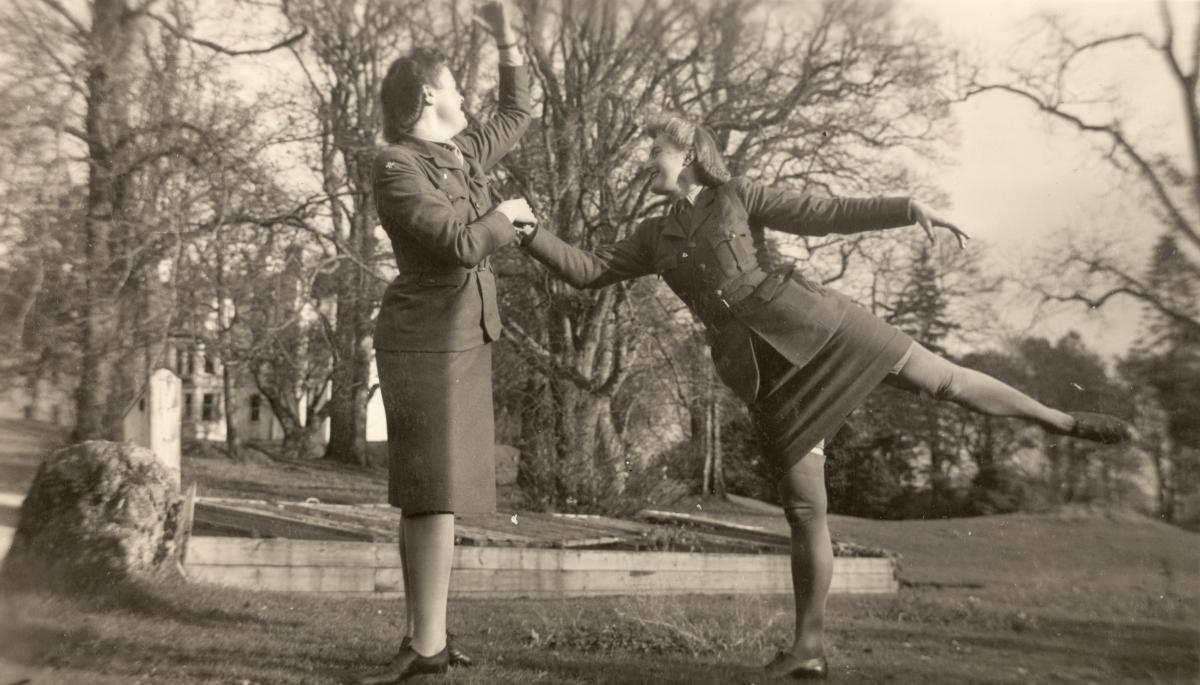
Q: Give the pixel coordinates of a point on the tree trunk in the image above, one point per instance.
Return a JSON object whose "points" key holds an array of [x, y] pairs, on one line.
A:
{"points": [[718, 484], [351, 381], [98, 404], [233, 445]]}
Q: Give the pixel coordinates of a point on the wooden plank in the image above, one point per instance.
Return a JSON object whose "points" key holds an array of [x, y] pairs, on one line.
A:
{"points": [[699, 519], [757, 506], [605, 560], [380, 527], [220, 551], [274, 523], [281, 552], [725, 528], [287, 578], [586, 583], [553, 583], [187, 516]]}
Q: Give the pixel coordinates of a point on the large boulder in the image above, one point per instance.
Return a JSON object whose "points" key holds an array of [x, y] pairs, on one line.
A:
{"points": [[97, 513]]}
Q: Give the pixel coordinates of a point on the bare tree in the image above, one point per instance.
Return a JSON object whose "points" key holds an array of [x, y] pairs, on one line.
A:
{"points": [[118, 88], [344, 62], [810, 101], [1053, 86]]}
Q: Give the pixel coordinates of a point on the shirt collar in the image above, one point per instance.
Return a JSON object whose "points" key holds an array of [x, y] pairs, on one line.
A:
{"points": [[441, 154]]}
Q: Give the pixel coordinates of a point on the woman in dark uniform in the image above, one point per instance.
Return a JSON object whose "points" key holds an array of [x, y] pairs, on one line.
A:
{"points": [[802, 356], [438, 318]]}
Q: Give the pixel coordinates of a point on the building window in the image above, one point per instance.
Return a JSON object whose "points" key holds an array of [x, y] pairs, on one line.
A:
{"points": [[208, 407], [142, 404], [255, 407], [187, 405], [191, 363], [208, 364]]}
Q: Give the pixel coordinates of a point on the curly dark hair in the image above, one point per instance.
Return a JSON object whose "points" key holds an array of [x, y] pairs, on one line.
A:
{"points": [[400, 93]]}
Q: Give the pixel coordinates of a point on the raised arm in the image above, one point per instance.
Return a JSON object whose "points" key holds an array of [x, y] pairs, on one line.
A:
{"points": [[803, 214], [624, 259], [403, 193], [490, 142]]}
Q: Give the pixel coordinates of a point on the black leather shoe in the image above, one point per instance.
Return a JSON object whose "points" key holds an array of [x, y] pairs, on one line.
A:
{"points": [[1101, 428], [457, 656], [786, 665], [405, 665]]}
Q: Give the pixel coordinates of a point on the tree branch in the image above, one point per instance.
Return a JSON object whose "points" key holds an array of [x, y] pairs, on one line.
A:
{"points": [[287, 42]]}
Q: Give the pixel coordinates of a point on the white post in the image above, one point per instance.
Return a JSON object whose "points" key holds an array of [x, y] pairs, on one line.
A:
{"points": [[165, 409]]}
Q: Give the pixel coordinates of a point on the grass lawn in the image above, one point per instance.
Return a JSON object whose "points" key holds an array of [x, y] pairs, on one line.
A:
{"points": [[1008, 599]]}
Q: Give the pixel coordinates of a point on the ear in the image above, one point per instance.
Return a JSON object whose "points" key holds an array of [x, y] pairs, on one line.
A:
{"points": [[688, 158], [427, 95]]}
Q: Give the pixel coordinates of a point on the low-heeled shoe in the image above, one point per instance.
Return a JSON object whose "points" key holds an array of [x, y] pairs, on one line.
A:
{"points": [[1102, 428], [786, 665], [457, 656], [405, 665]]}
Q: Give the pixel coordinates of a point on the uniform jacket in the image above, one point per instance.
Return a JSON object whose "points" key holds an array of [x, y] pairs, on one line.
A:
{"points": [[438, 214], [706, 255]]}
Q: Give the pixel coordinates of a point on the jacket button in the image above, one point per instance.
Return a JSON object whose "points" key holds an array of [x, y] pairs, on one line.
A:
{"points": [[703, 266], [683, 255]]}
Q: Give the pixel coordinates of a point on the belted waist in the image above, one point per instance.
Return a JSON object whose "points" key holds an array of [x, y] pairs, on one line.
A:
{"points": [[439, 275], [741, 286]]}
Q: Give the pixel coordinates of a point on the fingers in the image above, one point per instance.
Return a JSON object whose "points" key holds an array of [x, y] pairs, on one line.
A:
{"points": [[518, 211]]}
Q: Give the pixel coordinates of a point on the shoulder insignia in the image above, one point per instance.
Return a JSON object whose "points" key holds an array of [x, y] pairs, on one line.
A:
{"points": [[392, 165]]}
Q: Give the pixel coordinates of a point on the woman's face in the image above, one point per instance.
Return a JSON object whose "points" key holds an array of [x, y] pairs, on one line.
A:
{"points": [[446, 102], [666, 162]]}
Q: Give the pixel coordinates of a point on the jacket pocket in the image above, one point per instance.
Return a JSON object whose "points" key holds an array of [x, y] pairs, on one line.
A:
{"points": [[733, 249]]}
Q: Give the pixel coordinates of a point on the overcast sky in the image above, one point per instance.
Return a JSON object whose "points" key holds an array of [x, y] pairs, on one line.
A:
{"points": [[1019, 180]]}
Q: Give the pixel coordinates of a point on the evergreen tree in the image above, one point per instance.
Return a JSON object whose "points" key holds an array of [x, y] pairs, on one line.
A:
{"points": [[1164, 366]]}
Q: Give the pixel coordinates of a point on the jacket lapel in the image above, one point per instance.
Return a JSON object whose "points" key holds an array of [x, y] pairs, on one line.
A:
{"points": [[703, 209]]}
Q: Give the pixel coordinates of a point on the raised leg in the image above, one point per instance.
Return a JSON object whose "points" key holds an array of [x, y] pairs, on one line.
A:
{"points": [[927, 373]]}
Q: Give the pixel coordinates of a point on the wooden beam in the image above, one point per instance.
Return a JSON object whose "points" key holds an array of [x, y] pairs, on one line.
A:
{"points": [[269, 522]]}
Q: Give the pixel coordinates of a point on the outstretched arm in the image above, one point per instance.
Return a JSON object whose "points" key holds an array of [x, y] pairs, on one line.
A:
{"points": [[624, 259], [490, 142], [803, 214]]}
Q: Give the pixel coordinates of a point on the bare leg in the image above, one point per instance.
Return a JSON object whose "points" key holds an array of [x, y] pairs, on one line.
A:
{"points": [[942, 379], [802, 491], [429, 544]]}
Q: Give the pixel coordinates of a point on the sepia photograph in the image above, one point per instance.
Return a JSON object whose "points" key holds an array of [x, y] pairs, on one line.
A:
{"points": [[677, 342]]}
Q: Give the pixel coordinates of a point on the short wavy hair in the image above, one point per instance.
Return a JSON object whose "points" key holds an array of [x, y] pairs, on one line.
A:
{"points": [[400, 95], [707, 160]]}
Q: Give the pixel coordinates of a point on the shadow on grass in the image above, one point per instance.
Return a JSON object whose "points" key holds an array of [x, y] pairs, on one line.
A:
{"points": [[150, 600], [647, 669]]}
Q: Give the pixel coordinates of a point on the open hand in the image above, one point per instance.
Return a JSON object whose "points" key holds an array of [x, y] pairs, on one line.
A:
{"points": [[494, 16], [928, 218]]}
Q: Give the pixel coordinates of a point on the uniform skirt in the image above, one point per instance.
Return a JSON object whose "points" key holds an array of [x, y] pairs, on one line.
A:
{"points": [[798, 407], [441, 434]]}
